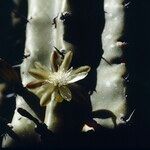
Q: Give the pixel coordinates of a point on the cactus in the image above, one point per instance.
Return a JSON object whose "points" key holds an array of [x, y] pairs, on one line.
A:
{"points": [[50, 42], [39, 48], [111, 89]]}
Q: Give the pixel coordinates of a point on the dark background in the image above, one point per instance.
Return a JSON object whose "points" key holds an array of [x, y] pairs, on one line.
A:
{"points": [[91, 22]]}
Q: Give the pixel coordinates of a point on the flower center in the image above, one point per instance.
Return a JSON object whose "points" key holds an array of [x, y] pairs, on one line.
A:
{"points": [[59, 78]]}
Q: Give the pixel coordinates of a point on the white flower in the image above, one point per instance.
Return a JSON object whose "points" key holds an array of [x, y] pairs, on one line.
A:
{"points": [[55, 80]]}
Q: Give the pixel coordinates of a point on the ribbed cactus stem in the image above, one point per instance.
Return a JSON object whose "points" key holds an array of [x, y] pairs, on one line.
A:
{"points": [[54, 111], [38, 47], [111, 88], [45, 29], [64, 12]]}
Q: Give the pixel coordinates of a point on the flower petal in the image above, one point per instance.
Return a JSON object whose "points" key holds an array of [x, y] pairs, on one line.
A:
{"points": [[57, 96], [34, 84], [53, 61], [67, 60], [76, 77], [65, 93], [82, 69], [38, 74], [46, 97], [40, 66], [41, 90]]}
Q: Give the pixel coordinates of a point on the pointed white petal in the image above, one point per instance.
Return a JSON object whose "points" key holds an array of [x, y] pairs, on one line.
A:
{"points": [[76, 77], [53, 61], [65, 93], [41, 90], [41, 67], [46, 97], [34, 84], [67, 60], [38, 74], [82, 69]]}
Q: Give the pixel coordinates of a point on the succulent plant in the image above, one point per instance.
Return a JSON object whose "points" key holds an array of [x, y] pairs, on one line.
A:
{"points": [[49, 101]]}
